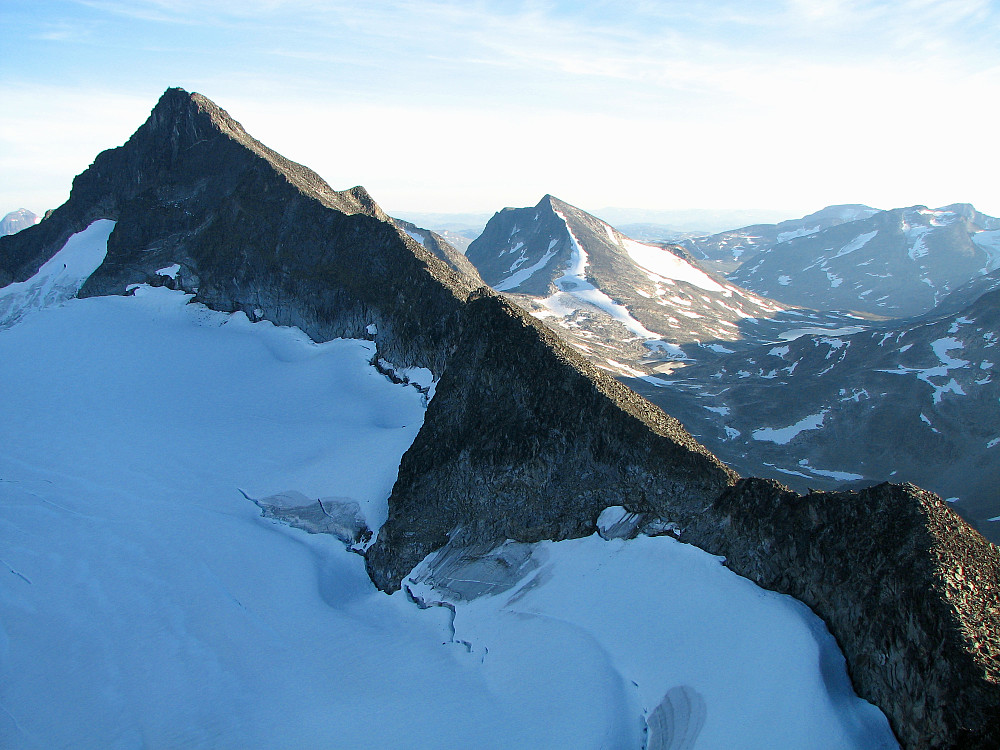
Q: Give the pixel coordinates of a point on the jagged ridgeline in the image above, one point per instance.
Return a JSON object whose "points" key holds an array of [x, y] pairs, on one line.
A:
{"points": [[524, 439]]}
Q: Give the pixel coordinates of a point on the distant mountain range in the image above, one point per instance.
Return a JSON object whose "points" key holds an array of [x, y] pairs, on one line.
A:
{"points": [[894, 264], [630, 307], [813, 399], [917, 401], [17, 220]]}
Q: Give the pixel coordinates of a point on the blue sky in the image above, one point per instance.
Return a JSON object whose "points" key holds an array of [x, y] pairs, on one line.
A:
{"points": [[475, 105]]}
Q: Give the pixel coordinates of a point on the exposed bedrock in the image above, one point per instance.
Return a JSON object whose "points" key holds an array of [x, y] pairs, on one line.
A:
{"points": [[906, 586], [525, 440]]}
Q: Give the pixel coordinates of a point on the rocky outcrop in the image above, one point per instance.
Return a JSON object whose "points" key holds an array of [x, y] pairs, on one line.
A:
{"points": [[525, 440], [442, 248], [908, 589]]}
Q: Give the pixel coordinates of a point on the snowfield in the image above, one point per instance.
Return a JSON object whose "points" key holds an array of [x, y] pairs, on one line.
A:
{"points": [[145, 601]]}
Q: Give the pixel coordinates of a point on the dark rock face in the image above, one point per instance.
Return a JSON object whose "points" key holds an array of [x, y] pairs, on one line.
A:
{"points": [[905, 586], [524, 439], [443, 249], [251, 231]]}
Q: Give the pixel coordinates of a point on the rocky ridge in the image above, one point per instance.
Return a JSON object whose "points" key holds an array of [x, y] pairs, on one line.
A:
{"points": [[523, 438]]}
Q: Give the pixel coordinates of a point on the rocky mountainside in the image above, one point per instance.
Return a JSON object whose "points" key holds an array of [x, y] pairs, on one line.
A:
{"points": [[897, 263], [727, 250], [629, 307], [914, 402], [523, 438], [17, 220], [444, 249]]}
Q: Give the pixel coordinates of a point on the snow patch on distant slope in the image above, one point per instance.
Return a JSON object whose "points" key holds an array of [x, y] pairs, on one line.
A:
{"points": [[664, 263], [856, 244], [784, 435]]}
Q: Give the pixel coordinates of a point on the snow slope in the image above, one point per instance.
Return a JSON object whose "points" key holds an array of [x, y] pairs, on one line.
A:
{"points": [[144, 601]]}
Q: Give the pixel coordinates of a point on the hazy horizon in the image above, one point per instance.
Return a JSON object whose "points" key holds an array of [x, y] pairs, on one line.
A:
{"points": [[449, 107]]}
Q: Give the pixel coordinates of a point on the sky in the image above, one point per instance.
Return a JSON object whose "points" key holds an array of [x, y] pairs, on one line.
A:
{"points": [[452, 106]]}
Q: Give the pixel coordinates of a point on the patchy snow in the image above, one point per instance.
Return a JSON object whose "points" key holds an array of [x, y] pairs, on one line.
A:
{"points": [[779, 351], [784, 280], [993, 443], [784, 435], [573, 283], [723, 410], [664, 263], [522, 275], [940, 347]]}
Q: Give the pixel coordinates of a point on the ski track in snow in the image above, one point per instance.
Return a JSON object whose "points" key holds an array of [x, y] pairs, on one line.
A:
{"points": [[144, 601]]}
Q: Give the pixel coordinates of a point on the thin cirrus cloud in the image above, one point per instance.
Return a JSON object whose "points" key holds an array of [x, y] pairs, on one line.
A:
{"points": [[782, 104]]}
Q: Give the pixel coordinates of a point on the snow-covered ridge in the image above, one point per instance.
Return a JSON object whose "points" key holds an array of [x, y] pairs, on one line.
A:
{"points": [[61, 277]]}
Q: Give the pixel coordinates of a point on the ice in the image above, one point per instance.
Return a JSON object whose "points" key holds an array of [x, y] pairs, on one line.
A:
{"points": [[418, 236], [59, 279], [647, 623], [843, 476], [918, 249], [795, 233], [796, 333], [784, 435]]}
